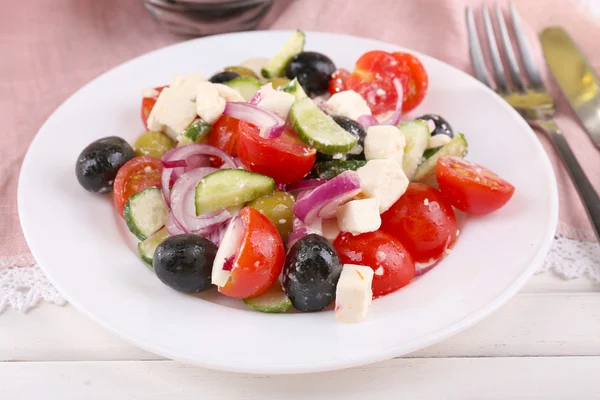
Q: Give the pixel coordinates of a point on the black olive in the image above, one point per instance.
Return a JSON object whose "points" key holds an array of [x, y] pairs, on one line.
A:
{"points": [[311, 272], [99, 162], [441, 125], [356, 130], [225, 76], [313, 71], [184, 262]]}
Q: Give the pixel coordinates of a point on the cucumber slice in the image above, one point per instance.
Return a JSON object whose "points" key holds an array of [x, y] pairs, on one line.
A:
{"points": [[276, 65], [148, 246], [146, 212], [196, 132], [319, 130], [245, 85], [230, 187], [273, 301], [294, 87], [417, 136], [457, 147], [331, 169], [428, 153]]}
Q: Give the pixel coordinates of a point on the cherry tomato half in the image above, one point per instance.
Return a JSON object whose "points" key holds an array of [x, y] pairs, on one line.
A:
{"points": [[224, 134], [471, 187], [372, 79], [392, 264], [148, 104], [259, 261], [337, 83], [423, 220], [135, 175], [285, 159], [417, 83]]}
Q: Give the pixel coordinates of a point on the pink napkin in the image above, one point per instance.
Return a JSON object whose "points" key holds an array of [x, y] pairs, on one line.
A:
{"points": [[52, 48]]}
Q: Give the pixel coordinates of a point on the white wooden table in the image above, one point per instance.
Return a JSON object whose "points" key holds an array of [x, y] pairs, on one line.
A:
{"points": [[544, 344]]}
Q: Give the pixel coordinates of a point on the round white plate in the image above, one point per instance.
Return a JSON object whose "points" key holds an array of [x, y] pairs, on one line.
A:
{"points": [[87, 252]]}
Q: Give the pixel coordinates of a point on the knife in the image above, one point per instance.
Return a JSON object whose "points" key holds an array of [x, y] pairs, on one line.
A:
{"points": [[577, 79]]}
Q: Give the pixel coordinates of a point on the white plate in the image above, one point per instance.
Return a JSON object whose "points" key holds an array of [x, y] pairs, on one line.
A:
{"points": [[87, 252]]}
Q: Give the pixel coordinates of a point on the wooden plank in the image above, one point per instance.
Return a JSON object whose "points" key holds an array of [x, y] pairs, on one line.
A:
{"points": [[450, 378], [534, 324]]}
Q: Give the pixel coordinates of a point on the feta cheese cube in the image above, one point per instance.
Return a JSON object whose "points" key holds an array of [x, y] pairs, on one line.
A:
{"points": [[186, 84], [438, 141], [172, 113], [275, 100], [209, 103], [227, 93], [347, 103], [359, 216], [353, 294], [383, 180], [330, 229], [384, 142]]}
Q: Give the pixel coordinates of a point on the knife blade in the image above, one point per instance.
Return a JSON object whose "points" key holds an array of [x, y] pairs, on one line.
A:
{"points": [[576, 78]]}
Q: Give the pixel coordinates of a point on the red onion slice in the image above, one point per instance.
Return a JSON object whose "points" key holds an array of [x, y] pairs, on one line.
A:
{"points": [[324, 200], [394, 119], [300, 230], [186, 153], [173, 226], [421, 268], [305, 184], [174, 163], [271, 125], [367, 120]]}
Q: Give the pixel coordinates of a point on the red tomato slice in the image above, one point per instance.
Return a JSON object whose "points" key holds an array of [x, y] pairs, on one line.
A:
{"points": [[471, 187], [393, 265], [338, 80], [416, 86], [285, 159], [423, 220], [135, 175], [224, 134], [259, 260], [148, 104]]}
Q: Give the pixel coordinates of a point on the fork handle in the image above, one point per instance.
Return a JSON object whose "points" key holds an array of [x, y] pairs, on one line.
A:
{"points": [[586, 191]]}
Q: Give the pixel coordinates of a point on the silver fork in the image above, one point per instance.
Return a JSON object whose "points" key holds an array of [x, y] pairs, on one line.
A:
{"points": [[529, 97]]}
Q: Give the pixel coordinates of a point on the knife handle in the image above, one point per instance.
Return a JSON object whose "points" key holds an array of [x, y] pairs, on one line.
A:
{"points": [[586, 191]]}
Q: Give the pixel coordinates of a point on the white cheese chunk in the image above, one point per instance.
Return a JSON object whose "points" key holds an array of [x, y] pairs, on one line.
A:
{"points": [[384, 142], [255, 64], [186, 84], [359, 216], [383, 180], [353, 294], [209, 104], [275, 100], [227, 93], [172, 113], [347, 103], [330, 229], [438, 141]]}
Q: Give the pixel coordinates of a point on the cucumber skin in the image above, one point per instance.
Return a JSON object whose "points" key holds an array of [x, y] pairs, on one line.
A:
{"points": [[309, 140], [143, 257], [331, 169], [457, 147], [163, 235], [410, 170], [294, 87], [239, 172], [284, 305], [197, 130], [273, 71], [129, 219]]}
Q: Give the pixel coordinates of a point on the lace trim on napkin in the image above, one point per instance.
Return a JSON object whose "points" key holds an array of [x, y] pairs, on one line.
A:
{"points": [[21, 288]]}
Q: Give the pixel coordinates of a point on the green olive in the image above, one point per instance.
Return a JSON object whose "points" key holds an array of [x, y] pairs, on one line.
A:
{"points": [[242, 71], [153, 144], [277, 82], [278, 207]]}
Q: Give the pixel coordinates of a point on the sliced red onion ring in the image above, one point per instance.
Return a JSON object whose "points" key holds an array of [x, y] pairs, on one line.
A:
{"points": [[174, 163], [257, 98], [305, 184], [421, 268], [183, 206], [323, 201], [197, 161], [238, 163], [186, 152], [165, 181], [271, 124], [367, 120], [394, 119], [173, 226], [300, 230], [216, 236]]}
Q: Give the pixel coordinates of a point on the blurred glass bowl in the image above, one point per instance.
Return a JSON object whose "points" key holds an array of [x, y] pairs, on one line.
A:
{"points": [[208, 17]]}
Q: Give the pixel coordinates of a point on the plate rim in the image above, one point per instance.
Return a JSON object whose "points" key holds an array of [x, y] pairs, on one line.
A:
{"points": [[376, 356]]}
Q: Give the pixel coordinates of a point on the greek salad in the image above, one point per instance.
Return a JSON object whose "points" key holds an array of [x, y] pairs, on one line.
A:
{"points": [[290, 183]]}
